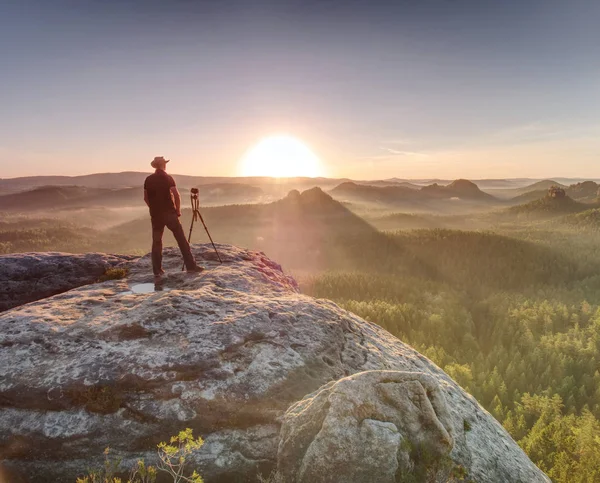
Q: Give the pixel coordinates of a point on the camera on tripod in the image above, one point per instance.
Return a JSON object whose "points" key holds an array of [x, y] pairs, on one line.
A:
{"points": [[196, 216]]}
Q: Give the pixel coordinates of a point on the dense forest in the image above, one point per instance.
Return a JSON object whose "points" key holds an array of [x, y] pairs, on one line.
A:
{"points": [[516, 323]]}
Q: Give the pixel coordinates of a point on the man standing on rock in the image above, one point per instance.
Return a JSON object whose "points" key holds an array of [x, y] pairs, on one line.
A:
{"points": [[162, 197]]}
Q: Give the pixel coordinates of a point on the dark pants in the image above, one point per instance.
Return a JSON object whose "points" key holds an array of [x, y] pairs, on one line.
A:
{"points": [[171, 221]]}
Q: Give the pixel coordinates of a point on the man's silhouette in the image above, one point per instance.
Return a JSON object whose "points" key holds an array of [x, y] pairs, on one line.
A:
{"points": [[162, 197]]}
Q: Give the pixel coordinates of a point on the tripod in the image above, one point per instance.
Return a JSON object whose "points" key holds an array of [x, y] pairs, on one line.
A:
{"points": [[197, 216]]}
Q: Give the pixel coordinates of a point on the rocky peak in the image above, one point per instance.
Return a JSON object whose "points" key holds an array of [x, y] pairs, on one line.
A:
{"points": [[587, 190], [556, 192], [293, 196], [271, 379], [313, 197]]}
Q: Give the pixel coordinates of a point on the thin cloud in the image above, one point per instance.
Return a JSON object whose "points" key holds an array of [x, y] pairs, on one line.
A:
{"points": [[397, 152]]}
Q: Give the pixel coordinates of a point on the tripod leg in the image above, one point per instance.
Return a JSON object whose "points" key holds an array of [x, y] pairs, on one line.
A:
{"points": [[189, 238], [191, 227], [210, 238]]}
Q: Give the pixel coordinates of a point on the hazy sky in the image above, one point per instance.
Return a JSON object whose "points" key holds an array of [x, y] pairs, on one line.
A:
{"points": [[406, 88]]}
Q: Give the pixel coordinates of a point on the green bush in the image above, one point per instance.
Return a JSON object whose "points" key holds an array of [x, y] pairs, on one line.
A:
{"points": [[172, 460]]}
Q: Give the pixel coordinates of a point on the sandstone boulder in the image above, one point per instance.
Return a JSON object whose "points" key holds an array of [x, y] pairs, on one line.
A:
{"points": [[372, 426], [26, 277], [226, 353]]}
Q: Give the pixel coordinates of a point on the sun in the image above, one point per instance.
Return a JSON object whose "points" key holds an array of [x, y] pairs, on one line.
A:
{"points": [[280, 157]]}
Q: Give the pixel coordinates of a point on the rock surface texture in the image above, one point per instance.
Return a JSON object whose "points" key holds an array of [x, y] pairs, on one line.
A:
{"points": [[371, 426], [272, 380], [26, 277]]}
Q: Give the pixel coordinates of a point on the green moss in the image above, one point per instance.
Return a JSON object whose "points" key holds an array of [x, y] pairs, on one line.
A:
{"points": [[114, 274]]}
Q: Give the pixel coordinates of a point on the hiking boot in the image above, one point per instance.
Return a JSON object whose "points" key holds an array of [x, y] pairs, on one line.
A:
{"points": [[196, 269]]}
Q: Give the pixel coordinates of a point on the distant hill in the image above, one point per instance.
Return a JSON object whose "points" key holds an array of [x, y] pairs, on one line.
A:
{"points": [[229, 193], [78, 197], [376, 194], [587, 191], [125, 179], [545, 185], [528, 192], [529, 196], [460, 188], [46, 197], [385, 182], [484, 184], [497, 183], [548, 207], [464, 196], [129, 179]]}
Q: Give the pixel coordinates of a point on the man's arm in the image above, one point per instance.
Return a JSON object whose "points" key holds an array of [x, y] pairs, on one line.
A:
{"points": [[146, 198], [176, 199]]}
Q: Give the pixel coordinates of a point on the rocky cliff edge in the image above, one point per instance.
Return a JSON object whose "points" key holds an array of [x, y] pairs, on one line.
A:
{"points": [[273, 380]]}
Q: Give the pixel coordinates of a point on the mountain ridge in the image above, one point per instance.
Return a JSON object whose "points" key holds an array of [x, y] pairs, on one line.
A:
{"points": [[126, 179]]}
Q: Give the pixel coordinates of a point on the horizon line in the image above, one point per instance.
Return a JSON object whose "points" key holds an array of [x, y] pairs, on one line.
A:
{"points": [[275, 178]]}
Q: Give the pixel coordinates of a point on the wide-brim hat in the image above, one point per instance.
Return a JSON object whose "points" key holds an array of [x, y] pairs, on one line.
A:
{"points": [[158, 161]]}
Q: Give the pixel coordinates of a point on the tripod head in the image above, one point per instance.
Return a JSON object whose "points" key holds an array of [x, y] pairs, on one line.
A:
{"points": [[194, 201]]}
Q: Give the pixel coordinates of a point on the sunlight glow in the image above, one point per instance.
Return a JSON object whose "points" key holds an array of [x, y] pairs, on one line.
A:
{"points": [[280, 157]]}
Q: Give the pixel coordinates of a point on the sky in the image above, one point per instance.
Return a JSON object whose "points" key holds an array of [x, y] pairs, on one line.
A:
{"points": [[376, 89]]}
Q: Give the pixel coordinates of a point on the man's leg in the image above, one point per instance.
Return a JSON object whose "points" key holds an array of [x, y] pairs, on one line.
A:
{"points": [[158, 226], [174, 225]]}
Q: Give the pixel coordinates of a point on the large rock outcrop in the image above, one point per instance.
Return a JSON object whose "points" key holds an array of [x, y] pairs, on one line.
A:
{"points": [[371, 426], [26, 277], [231, 353]]}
